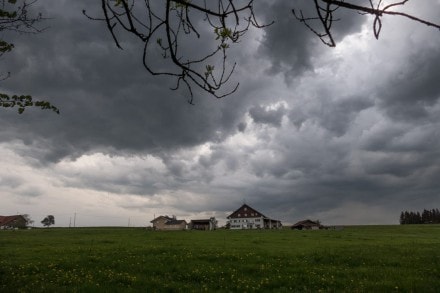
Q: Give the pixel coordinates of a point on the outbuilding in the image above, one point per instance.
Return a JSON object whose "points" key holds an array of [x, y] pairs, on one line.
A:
{"points": [[307, 225], [13, 222]]}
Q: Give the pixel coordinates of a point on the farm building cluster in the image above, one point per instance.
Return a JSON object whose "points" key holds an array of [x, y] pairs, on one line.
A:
{"points": [[245, 217], [171, 223]]}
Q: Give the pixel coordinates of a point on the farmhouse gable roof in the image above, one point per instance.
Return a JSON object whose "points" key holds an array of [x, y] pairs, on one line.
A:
{"points": [[246, 211]]}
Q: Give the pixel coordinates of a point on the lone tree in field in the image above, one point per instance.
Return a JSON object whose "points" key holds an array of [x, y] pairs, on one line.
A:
{"points": [[48, 221], [14, 16], [28, 220], [165, 25]]}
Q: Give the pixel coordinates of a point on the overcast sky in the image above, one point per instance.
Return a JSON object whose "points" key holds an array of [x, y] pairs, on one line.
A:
{"points": [[346, 135]]}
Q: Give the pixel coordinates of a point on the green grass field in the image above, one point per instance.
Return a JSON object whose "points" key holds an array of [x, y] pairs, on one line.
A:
{"points": [[356, 259]]}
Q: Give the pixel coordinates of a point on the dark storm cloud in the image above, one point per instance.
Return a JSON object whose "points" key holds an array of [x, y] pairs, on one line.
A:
{"points": [[289, 45], [414, 89], [402, 138], [339, 115], [336, 116], [263, 115], [354, 134], [241, 126], [107, 99]]}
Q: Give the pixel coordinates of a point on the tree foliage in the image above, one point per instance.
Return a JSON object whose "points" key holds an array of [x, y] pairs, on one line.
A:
{"points": [[28, 219], [7, 101], [162, 25], [426, 217], [15, 17], [48, 221]]}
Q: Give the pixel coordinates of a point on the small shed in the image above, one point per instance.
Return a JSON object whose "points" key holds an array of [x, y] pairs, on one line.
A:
{"points": [[203, 224], [168, 223], [307, 225]]}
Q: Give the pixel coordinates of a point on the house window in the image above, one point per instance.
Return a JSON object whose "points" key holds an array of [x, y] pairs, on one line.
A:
{"points": [[245, 209], [239, 215], [245, 215]]}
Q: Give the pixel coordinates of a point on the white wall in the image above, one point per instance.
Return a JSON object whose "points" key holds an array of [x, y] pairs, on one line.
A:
{"points": [[246, 223]]}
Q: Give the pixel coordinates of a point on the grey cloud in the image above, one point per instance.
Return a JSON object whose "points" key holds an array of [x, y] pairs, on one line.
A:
{"points": [[376, 146], [399, 165], [335, 116], [10, 181], [261, 114], [108, 101], [228, 160], [241, 126], [297, 117], [402, 138], [289, 45], [116, 179], [339, 115], [414, 88]]}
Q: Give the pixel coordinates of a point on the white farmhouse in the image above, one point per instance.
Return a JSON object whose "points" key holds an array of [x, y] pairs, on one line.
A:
{"points": [[248, 218]]}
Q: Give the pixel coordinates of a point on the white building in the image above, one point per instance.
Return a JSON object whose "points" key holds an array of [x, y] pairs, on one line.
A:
{"points": [[248, 218]]}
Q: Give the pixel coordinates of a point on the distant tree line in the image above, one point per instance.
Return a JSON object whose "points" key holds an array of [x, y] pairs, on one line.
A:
{"points": [[426, 217]]}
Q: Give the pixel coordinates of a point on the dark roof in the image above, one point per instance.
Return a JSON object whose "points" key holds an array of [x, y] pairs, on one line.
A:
{"points": [[306, 223], [175, 222], [6, 220], [201, 221], [165, 217], [246, 211]]}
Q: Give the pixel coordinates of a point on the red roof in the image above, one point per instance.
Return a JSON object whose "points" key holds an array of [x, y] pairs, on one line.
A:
{"points": [[7, 220]]}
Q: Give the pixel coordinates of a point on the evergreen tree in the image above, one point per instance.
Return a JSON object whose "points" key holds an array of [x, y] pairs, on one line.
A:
{"points": [[402, 218], [426, 217]]}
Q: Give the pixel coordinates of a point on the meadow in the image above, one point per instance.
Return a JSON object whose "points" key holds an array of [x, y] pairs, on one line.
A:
{"points": [[356, 259]]}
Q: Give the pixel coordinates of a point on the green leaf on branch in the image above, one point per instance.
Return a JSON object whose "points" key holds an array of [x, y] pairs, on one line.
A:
{"points": [[23, 102]]}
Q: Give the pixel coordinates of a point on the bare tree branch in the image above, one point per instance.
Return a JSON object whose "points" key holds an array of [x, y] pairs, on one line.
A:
{"points": [[164, 24], [15, 17], [168, 25], [324, 15]]}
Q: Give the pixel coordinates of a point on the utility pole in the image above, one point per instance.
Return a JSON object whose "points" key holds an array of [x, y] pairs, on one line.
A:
{"points": [[128, 221], [74, 221]]}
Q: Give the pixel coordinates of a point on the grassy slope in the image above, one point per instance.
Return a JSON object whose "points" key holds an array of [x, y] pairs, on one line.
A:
{"points": [[356, 259]]}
